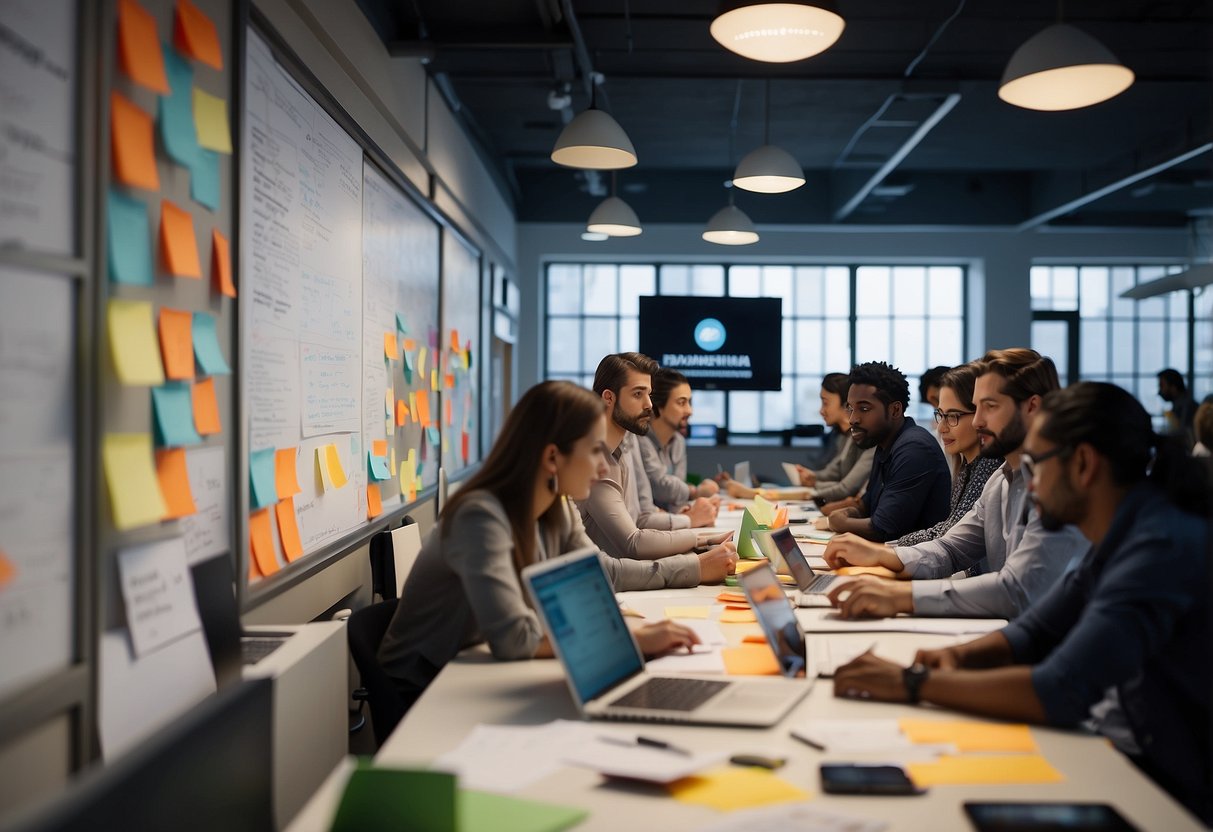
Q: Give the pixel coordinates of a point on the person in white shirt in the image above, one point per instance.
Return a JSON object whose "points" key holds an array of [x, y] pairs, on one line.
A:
{"points": [[664, 450]]}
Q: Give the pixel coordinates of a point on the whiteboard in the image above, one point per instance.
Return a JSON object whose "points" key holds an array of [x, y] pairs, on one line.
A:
{"points": [[461, 306]]}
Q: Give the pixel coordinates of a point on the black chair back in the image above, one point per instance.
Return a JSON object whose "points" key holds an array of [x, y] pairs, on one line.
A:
{"points": [[365, 630]]}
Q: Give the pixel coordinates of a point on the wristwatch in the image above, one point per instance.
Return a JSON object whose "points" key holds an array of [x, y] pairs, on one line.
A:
{"points": [[913, 677]]}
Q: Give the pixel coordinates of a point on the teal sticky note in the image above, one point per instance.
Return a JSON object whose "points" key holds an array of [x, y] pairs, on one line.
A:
{"points": [[400, 323], [378, 467], [420, 465], [204, 178], [264, 490], [385, 798], [176, 110], [173, 410], [485, 812], [432, 432], [128, 240], [206, 346]]}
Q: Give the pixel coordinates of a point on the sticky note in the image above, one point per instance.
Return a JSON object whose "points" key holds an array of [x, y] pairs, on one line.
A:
{"points": [[195, 35], [206, 346], [449, 380], [738, 617], [128, 240], [288, 528], [687, 612], [390, 348], [465, 441], [455, 340], [408, 476], [378, 467], [972, 769], [374, 501], [970, 735], [286, 476], [409, 343], [745, 566], [175, 113], [727, 789], [434, 436], [750, 660], [421, 361], [332, 475], [423, 405], [174, 415], [413, 409], [133, 342], [379, 447], [7, 571], [450, 420], [210, 122], [763, 510], [139, 53], [206, 408], [434, 380], [178, 245], [204, 178], [446, 444], [261, 539], [221, 264], [177, 343], [132, 149], [130, 476], [262, 474], [174, 478], [401, 324], [432, 337], [402, 412]]}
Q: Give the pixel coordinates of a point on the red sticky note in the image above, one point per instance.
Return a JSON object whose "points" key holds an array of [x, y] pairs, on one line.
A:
{"points": [[206, 408], [374, 501], [177, 343], [466, 441], [131, 145], [261, 536], [288, 529], [286, 476], [391, 351], [139, 52], [195, 35], [379, 447], [221, 264], [174, 479], [449, 380], [178, 245], [402, 412]]}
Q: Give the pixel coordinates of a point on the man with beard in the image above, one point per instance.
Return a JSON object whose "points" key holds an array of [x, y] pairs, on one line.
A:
{"points": [[909, 487], [623, 381], [1132, 618], [1173, 390], [1009, 558], [663, 451]]}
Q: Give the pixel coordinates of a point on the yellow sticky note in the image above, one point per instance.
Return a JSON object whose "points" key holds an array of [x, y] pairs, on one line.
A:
{"points": [[393, 462], [130, 475], [331, 466], [738, 617], [970, 735], [970, 769], [727, 789], [421, 362], [133, 343], [751, 659], [744, 566], [763, 511], [434, 380], [687, 612], [413, 407], [210, 120]]}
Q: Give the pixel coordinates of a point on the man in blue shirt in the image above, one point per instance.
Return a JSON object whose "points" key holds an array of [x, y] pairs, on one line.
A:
{"points": [[1128, 626], [909, 487]]}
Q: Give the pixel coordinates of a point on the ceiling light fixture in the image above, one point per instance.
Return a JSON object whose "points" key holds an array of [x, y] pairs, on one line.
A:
{"points": [[1062, 68], [778, 32], [768, 169], [730, 227], [614, 217], [594, 140]]}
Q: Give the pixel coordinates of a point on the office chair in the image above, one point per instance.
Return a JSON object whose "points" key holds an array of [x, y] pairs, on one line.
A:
{"points": [[365, 630]]}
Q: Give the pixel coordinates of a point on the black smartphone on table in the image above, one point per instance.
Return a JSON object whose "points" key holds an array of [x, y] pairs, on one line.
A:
{"points": [[860, 778], [1046, 817]]}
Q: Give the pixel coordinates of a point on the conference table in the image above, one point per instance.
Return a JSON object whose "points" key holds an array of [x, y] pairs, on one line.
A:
{"points": [[473, 689]]}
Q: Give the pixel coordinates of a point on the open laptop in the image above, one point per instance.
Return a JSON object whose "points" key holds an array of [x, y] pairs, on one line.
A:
{"points": [[605, 669], [778, 621], [785, 556]]}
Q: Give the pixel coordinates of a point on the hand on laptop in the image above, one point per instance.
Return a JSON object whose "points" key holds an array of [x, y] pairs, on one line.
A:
{"points": [[664, 636], [872, 598], [853, 550], [717, 562], [701, 512]]}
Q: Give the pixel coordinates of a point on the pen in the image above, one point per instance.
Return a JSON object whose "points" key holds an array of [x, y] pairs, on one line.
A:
{"points": [[810, 743], [644, 742]]}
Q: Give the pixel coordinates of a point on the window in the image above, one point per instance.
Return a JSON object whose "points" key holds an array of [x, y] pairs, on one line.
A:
{"points": [[910, 316]]}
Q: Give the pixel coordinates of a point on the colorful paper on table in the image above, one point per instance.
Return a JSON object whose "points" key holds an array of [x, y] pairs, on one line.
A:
{"points": [[879, 571], [221, 264], [488, 812], [763, 510], [729, 597], [206, 346], [736, 606], [175, 114], [726, 789], [781, 517], [687, 612], [263, 475], [745, 543], [261, 541], [206, 408], [374, 501], [288, 529], [174, 478], [422, 404], [750, 660], [286, 474], [378, 467], [204, 178], [210, 121], [178, 245], [390, 347], [139, 53], [419, 800], [974, 769], [744, 566], [738, 617], [7, 571], [176, 343], [755, 638], [130, 476], [195, 35], [174, 415], [331, 466], [379, 447], [970, 735], [402, 413], [433, 435], [128, 241], [133, 342], [132, 148]]}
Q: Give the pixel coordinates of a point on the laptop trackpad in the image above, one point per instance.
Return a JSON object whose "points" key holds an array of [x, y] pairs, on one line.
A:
{"points": [[755, 696]]}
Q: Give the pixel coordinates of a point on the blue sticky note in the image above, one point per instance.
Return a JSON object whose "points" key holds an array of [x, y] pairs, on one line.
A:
{"points": [[378, 467], [261, 477], [176, 111], [174, 415], [420, 465], [432, 432], [206, 346], [204, 178], [400, 323], [128, 240]]}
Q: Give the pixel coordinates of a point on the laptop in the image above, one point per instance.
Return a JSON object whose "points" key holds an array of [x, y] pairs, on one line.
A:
{"points": [[605, 669], [791, 472], [785, 556], [741, 473], [777, 618]]}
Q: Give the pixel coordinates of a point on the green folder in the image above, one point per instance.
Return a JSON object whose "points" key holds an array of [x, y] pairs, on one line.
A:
{"points": [[745, 546]]}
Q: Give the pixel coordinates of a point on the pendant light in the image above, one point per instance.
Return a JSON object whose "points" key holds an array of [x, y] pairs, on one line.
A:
{"points": [[778, 32], [730, 227], [594, 140], [614, 217], [769, 169]]}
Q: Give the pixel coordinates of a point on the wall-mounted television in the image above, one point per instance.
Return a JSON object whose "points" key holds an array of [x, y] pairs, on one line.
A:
{"points": [[717, 343]]}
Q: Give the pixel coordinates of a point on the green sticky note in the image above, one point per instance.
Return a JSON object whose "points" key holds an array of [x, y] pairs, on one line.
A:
{"points": [[206, 346], [128, 240], [261, 477], [477, 811], [432, 433], [204, 178], [395, 799], [176, 110], [745, 546], [174, 415]]}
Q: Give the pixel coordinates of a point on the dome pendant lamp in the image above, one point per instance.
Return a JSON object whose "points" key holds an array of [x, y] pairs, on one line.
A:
{"points": [[594, 141], [777, 32], [614, 217], [730, 227], [1062, 68], [769, 169]]}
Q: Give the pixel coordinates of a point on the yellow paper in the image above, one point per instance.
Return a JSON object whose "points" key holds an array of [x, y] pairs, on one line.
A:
{"points": [[408, 476], [434, 380], [210, 121], [393, 461], [727, 789], [996, 770], [970, 735], [763, 511], [687, 612], [738, 617], [133, 342], [751, 659], [130, 474], [421, 362], [332, 462], [744, 566]]}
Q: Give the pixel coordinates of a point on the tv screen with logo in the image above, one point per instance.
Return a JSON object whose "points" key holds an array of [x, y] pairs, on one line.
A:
{"points": [[717, 343]]}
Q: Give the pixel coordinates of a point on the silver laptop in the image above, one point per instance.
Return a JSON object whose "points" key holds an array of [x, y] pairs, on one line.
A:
{"points": [[785, 556], [605, 669], [778, 621]]}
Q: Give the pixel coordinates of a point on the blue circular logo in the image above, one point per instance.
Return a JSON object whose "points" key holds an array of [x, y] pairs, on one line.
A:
{"points": [[710, 334]]}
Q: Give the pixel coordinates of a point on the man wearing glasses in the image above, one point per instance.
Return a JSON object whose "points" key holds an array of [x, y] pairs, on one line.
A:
{"points": [[1009, 558]]}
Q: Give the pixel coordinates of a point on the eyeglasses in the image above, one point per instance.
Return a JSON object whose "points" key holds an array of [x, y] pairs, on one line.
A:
{"points": [[952, 416], [1030, 462]]}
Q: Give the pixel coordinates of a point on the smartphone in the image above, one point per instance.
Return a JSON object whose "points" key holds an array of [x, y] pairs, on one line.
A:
{"points": [[1045, 817], [860, 778]]}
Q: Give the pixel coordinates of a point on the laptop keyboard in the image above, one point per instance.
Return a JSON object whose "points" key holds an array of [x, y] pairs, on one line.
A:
{"points": [[822, 583], [667, 694], [253, 650]]}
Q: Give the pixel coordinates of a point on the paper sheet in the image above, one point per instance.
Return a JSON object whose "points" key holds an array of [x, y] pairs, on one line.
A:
{"points": [[701, 659], [971, 735], [263, 479], [738, 617], [727, 789], [132, 148], [374, 501], [210, 120], [793, 817], [176, 343], [506, 758], [158, 594], [855, 736], [128, 238], [131, 479], [175, 114], [195, 35], [206, 532], [261, 542], [288, 529], [204, 178], [133, 342], [828, 621], [178, 244], [750, 660], [638, 762], [286, 475], [976, 769], [139, 53]]}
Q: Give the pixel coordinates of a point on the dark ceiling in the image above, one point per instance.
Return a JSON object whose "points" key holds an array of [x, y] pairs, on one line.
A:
{"points": [[1141, 159]]}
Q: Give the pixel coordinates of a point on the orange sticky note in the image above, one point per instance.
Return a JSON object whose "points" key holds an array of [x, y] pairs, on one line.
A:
{"points": [[261, 538], [177, 343], [286, 477], [139, 52], [754, 638], [455, 340], [288, 528], [253, 572], [744, 566], [391, 350], [374, 501], [206, 408], [195, 35], [409, 345], [178, 245], [730, 597], [465, 441], [174, 479], [449, 380], [379, 447], [423, 405], [781, 517], [738, 617], [7, 571], [750, 660], [449, 417], [221, 264], [131, 144], [402, 412]]}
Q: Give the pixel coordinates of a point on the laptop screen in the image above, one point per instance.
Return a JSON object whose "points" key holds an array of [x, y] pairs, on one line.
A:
{"points": [[777, 619], [585, 626], [797, 563]]}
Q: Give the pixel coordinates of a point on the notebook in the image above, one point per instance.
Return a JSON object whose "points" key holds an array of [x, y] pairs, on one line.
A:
{"points": [[605, 669], [784, 553]]}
